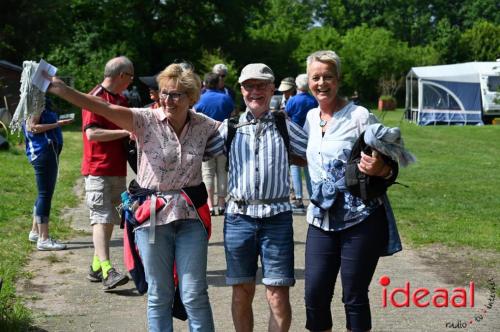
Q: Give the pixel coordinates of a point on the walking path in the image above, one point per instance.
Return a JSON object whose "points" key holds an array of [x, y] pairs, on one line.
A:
{"points": [[63, 300]]}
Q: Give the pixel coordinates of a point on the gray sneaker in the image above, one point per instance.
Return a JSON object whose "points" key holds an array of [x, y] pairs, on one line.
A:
{"points": [[33, 236], [49, 245], [114, 279], [94, 276]]}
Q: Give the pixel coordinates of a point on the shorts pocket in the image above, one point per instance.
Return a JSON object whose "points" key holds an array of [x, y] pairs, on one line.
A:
{"points": [[94, 199]]}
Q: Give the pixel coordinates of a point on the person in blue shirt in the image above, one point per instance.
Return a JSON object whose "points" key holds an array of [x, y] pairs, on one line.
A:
{"points": [[297, 108], [44, 141], [222, 70], [217, 105]]}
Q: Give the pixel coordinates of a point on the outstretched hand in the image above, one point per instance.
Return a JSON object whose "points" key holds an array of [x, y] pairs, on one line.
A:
{"points": [[56, 84]]}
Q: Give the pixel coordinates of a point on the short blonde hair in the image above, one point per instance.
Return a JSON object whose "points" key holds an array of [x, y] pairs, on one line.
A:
{"points": [[328, 57], [184, 78]]}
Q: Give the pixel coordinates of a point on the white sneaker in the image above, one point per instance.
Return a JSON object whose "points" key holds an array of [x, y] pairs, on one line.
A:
{"points": [[49, 245], [33, 237]]}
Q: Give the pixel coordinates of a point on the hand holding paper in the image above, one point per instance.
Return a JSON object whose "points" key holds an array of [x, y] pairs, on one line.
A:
{"points": [[38, 79]]}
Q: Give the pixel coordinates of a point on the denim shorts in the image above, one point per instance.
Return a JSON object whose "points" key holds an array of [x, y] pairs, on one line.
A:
{"points": [[246, 238]]}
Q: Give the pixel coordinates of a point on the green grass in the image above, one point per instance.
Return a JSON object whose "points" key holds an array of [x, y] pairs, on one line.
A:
{"points": [[453, 197], [454, 189], [17, 196]]}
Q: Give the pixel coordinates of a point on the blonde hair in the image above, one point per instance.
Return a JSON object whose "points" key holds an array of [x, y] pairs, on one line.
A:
{"points": [[184, 78], [328, 57]]}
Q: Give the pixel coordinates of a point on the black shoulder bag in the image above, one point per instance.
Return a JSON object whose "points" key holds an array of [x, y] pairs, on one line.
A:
{"points": [[362, 185]]}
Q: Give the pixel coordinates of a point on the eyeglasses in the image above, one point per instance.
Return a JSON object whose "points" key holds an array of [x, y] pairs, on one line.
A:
{"points": [[173, 95], [256, 86], [129, 74]]}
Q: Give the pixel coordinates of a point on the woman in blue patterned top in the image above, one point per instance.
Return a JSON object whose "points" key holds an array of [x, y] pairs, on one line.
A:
{"points": [[43, 137], [345, 233]]}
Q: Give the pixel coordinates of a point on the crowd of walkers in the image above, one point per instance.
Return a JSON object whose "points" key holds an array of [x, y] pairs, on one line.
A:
{"points": [[191, 136]]}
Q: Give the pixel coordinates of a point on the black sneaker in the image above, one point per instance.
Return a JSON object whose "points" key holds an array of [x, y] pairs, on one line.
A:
{"points": [[221, 210], [114, 279], [94, 276]]}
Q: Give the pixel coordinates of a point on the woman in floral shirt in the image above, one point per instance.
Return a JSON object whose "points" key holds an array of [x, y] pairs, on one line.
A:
{"points": [[171, 142]]}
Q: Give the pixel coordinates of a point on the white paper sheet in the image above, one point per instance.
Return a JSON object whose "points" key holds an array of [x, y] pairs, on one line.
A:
{"points": [[38, 79]]}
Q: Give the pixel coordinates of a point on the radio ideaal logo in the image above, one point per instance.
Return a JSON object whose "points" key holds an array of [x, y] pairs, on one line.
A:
{"points": [[421, 297]]}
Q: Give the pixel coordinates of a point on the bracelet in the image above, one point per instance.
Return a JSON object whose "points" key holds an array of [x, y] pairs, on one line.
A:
{"points": [[391, 173]]}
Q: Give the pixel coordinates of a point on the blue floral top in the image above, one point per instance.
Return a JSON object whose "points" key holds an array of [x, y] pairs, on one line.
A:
{"points": [[334, 208]]}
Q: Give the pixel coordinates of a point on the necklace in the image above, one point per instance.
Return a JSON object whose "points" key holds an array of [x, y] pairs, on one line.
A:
{"points": [[322, 122]]}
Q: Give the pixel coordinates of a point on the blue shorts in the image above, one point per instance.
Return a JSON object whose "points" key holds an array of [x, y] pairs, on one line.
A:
{"points": [[245, 238]]}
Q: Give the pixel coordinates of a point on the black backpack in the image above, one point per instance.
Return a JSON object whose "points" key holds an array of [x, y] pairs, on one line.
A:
{"points": [[279, 121], [364, 186]]}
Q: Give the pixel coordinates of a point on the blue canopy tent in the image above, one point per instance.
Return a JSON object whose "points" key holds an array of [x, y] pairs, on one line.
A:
{"points": [[452, 94]]}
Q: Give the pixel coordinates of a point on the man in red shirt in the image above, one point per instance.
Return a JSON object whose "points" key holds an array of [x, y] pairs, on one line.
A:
{"points": [[104, 167]]}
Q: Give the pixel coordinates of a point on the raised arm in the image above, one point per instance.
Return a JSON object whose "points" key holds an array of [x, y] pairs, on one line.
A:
{"points": [[119, 115]]}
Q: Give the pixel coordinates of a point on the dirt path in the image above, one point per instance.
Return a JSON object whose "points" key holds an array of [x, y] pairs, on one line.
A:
{"points": [[63, 300]]}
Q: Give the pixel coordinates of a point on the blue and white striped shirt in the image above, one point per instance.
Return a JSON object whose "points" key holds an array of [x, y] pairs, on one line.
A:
{"points": [[258, 163]]}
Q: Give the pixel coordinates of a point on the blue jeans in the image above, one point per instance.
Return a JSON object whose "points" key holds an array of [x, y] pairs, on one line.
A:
{"points": [[295, 172], [271, 238], [184, 241], [45, 166]]}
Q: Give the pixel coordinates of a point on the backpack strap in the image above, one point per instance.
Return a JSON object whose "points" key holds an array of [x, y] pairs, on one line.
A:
{"points": [[280, 121], [232, 124]]}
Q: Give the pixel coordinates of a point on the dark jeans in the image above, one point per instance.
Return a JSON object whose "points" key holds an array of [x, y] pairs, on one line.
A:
{"points": [[355, 252], [45, 166]]}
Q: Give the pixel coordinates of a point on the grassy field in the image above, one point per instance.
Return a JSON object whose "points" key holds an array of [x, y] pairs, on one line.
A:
{"points": [[454, 189], [17, 195], [453, 198]]}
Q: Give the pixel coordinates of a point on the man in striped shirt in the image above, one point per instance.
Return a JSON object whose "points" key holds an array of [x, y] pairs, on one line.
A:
{"points": [[258, 218]]}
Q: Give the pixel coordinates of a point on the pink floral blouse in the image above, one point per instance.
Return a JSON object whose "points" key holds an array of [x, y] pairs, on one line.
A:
{"points": [[167, 162]]}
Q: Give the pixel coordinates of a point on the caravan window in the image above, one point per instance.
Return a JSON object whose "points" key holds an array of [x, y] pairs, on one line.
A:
{"points": [[438, 99], [494, 83], [414, 93]]}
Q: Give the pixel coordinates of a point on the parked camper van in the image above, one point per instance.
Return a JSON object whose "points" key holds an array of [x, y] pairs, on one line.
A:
{"points": [[490, 94], [462, 93]]}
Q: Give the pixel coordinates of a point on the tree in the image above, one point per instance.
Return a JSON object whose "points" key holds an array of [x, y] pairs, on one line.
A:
{"points": [[368, 55], [446, 40], [29, 26], [481, 42], [275, 32], [373, 54], [318, 38], [331, 13], [152, 33], [473, 10]]}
